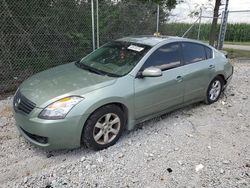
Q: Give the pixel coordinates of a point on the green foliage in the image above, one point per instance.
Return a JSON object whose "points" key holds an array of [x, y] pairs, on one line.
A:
{"points": [[168, 4], [238, 32], [126, 18], [37, 35]]}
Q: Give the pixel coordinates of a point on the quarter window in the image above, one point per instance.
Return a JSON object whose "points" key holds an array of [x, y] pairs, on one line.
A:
{"points": [[192, 52], [209, 52], [166, 57]]}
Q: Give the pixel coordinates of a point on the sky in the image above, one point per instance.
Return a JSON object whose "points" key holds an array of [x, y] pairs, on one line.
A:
{"points": [[182, 10]]}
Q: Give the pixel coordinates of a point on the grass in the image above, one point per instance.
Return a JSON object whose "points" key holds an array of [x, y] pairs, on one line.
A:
{"points": [[231, 42], [234, 53], [237, 43]]}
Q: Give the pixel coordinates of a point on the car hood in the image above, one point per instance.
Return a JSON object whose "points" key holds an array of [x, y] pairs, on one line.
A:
{"points": [[62, 81]]}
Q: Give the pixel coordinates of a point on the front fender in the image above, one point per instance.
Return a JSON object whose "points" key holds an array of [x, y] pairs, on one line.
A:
{"points": [[108, 95]]}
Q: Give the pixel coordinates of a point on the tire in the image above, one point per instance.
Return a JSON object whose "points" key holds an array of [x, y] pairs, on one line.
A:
{"points": [[105, 123], [214, 90]]}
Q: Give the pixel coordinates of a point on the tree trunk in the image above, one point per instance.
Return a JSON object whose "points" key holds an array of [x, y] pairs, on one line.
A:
{"points": [[213, 30]]}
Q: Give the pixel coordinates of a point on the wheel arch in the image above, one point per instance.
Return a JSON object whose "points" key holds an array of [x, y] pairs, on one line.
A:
{"points": [[222, 77], [121, 105]]}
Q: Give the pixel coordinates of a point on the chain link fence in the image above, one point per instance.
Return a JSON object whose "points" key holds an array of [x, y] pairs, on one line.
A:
{"points": [[125, 18], [238, 30], [37, 35], [197, 27], [237, 27]]}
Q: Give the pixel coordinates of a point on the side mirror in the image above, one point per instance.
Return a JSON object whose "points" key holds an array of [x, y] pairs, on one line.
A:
{"points": [[152, 72]]}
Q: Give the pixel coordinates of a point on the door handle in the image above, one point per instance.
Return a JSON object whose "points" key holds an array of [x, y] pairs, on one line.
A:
{"points": [[211, 66], [179, 78]]}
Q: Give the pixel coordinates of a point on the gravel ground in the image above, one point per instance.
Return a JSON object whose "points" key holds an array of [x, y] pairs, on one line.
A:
{"points": [[197, 146]]}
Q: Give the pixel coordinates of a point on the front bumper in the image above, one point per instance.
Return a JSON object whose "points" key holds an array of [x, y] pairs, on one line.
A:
{"points": [[51, 134]]}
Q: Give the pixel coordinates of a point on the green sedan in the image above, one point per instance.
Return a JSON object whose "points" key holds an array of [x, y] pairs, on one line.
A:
{"points": [[117, 86]]}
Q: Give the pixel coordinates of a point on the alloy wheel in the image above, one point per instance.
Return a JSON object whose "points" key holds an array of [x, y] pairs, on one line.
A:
{"points": [[215, 90], [107, 128]]}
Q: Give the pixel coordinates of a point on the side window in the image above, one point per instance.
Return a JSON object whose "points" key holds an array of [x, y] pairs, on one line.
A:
{"points": [[165, 57], [209, 52], [192, 52]]}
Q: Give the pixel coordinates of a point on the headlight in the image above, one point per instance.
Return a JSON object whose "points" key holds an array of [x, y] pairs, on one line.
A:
{"points": [[60, 108]]}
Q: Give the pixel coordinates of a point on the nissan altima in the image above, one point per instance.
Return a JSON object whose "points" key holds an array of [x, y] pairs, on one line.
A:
{"points": [[122, 83]]}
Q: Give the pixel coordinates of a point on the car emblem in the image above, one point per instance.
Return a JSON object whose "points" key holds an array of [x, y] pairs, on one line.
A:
{"points": [[18, 101]]}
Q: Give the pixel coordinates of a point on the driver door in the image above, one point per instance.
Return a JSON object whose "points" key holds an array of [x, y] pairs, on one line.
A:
{"points": [[156, 94]]}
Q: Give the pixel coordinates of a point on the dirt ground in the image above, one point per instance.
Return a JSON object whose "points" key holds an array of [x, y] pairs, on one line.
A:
{"points": [[197, 146]]}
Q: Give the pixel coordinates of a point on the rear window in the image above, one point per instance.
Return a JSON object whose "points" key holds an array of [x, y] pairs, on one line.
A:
{"points": [[193, 52]]}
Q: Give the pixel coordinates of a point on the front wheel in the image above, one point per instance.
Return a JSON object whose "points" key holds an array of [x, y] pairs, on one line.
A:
{"points": [[214, 90], [104, 127]]}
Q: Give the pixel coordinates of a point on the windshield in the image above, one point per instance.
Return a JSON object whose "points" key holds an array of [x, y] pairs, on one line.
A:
{"points": [[115, 58]]}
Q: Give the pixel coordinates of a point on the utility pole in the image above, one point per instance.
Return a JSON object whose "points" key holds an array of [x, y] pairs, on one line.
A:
{"points": [[223, 26]]}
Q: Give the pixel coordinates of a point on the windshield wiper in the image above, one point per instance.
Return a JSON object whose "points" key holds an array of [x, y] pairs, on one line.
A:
{"points": [[90, 69]]}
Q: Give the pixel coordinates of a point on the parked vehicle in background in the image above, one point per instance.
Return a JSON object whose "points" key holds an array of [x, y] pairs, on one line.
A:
{"points": [[117, 86]]}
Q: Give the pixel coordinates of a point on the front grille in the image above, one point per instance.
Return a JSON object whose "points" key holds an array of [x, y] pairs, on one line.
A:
{"points": [[40, 139], [22, 104]]}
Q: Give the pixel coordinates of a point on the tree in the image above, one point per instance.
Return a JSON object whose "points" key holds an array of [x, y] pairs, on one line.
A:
{"points": [[213, 30], [168, 3], [130, 17], [36, 35]]}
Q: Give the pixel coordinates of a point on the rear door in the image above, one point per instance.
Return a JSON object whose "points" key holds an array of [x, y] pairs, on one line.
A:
{"points": [[155, 94], [196, 70]]}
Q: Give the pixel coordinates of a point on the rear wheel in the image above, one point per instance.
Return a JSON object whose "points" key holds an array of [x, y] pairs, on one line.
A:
{"points": [[104, 127], [214, 90]]}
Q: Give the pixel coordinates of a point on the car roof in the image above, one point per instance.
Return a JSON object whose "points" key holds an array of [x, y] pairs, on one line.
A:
{"points": [[152, 40]]}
